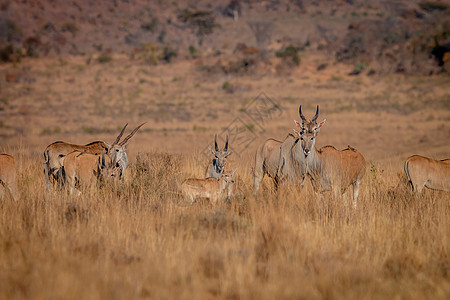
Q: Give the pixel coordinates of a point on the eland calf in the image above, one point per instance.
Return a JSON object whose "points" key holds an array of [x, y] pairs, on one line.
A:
{"points": [[329, 168], [211, 188], [426, 172], [8, 182]]}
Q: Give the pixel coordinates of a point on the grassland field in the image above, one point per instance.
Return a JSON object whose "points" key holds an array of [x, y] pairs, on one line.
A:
{"points": [[139, 240]]}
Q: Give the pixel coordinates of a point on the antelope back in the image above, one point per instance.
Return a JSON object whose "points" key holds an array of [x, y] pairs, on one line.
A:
{"points": [[342, 167], [196, 188], [56, 151]]}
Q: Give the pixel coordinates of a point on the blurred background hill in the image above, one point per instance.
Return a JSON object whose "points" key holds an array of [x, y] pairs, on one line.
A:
{"points": [[236, 36], [79, 70]]}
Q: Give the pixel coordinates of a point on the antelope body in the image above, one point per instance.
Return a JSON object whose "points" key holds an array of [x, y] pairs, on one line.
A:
{"points": [[267, 160], [292, 165], [211, 188], [55, 153], [8, 183], [87, 169], [217, 164], [426, 172], [329, 168], [282, 161]]}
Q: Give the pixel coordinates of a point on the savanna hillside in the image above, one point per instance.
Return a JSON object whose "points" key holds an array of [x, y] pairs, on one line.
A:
{"points": [[78, 71]]}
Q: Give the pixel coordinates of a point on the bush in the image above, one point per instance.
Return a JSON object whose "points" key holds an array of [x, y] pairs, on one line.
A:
{"points": [[201, 22], [151, 26], [290, 51], [193, 52], [104, 58], [7, 53], [168, 54], [431, 6], [228, 87]]}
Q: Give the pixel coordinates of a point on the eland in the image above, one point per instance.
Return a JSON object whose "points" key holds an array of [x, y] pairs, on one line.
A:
{"points": [[329, 168], [117, 151], [426, 172], [86, 170], [55, 153], [283, 161]]}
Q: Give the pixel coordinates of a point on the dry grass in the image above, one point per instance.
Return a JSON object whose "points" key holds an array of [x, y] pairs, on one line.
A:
{"points": [[140, 240], [136, 241]]}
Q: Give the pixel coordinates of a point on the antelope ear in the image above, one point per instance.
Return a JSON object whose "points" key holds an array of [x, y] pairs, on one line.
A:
{"points": [[125, 146], [228, 153], [298, 124], [297, 133], [319, 125], [108, 146]]}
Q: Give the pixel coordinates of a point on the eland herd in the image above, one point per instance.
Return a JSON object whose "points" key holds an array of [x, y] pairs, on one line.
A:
{"points": [[78, 167]]}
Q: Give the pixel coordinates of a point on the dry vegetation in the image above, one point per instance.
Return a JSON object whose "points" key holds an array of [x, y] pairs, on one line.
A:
{"points": [[138, 240], [141, 241], [149, 61]]}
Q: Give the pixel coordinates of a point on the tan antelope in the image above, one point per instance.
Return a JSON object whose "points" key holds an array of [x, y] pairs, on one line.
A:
{"points": [[329, 168], [217, 164], [86, 170], [426, 172], [55, 153], [8, 182], [211, 188], [282, 161], [278, 161], [292, 165]]}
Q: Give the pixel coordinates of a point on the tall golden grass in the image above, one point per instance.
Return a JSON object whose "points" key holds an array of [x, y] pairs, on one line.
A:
{"points": [[139, 240]]}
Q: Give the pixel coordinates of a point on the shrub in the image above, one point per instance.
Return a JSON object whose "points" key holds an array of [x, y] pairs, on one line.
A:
{"points": [[193, 52], [228, 87], [70, 27], [104, 58], [168, 54], [201, 22], [151, 26], [290, 51]]}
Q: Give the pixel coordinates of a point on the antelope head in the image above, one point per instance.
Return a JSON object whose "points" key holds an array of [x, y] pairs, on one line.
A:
{"points": [[228, 179], [117, 150], [308, 131], [106, 172], [220, 155]]}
